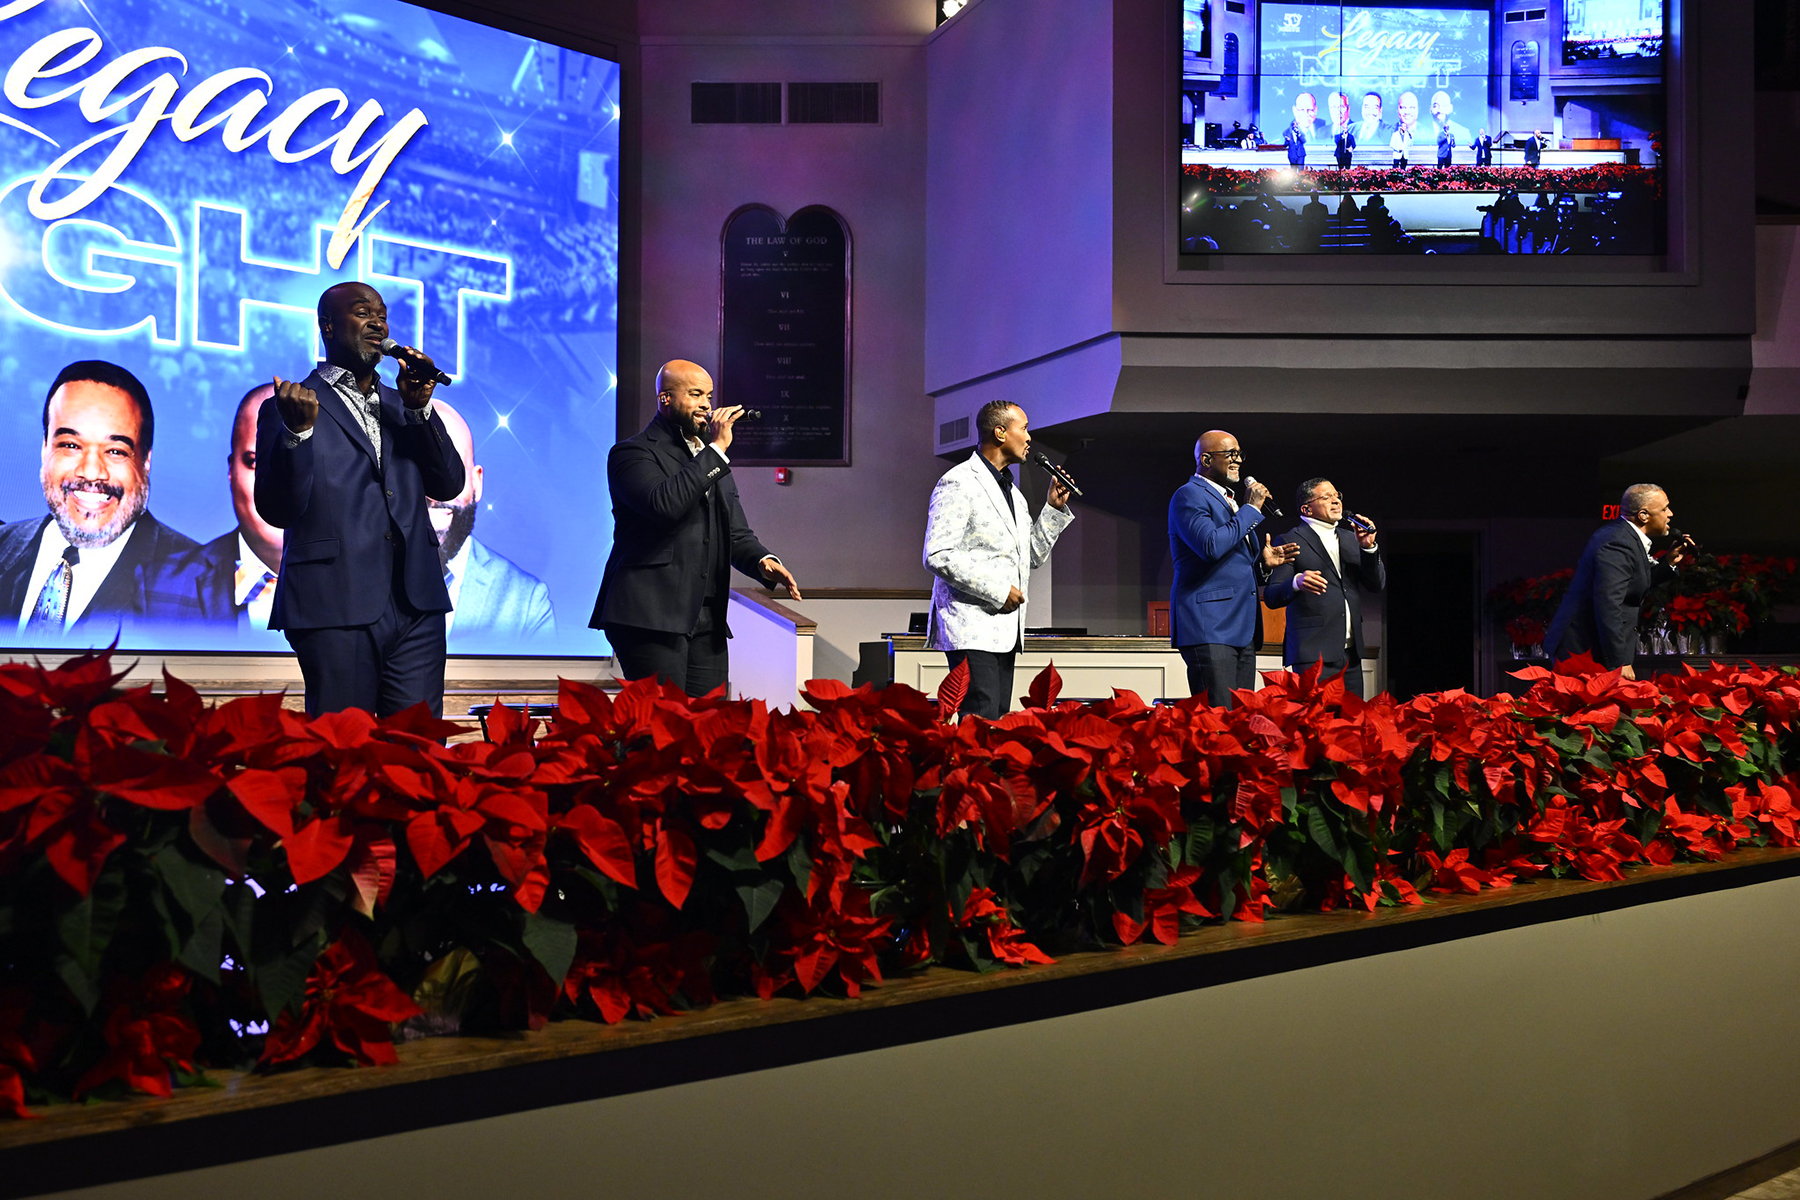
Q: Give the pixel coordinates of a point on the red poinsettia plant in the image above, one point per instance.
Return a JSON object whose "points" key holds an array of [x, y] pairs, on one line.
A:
{"points": [[186, 886]]}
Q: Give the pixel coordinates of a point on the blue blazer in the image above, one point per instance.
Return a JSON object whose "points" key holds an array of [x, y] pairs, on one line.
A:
{"points": [[500, 604], [354, 530], [1215, 552]]}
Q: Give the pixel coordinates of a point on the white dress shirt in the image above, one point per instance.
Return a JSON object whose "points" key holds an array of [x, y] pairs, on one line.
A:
{"points": [[1641, 536], [253, 587], [88, 573], [1328, 534]]}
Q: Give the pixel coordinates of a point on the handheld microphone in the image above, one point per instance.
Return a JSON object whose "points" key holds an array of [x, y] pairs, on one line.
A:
{"points": [[1273, 510], [1061, 476], [1357, 524], [413, 361]]}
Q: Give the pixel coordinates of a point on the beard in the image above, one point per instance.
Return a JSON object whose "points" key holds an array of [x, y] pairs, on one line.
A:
{"points": [[462, 524], [132, 502]]}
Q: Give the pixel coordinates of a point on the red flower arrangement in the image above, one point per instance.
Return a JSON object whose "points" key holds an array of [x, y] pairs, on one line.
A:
{"points": [[239, 885]]}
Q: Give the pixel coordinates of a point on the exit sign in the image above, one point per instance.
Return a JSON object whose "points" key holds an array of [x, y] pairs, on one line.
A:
{"points": [[1609, 512]]}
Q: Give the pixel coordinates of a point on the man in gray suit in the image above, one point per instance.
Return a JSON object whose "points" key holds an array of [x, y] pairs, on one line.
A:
{"points": [[495, 603]]}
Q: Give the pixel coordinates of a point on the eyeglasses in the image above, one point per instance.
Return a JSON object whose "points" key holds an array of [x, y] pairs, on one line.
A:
{"points": [[1227, 455]]}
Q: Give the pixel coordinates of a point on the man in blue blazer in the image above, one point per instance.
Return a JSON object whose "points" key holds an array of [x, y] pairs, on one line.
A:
{"points": [[347, 467], [1214, 618], [1322, 588], [1599, 613], [678, 530]]}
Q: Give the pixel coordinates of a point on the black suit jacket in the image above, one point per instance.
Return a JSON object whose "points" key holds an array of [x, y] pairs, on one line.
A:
{"points": [[1599, 614], [347, 520], [158, 577], [1313, 623], [667, 503]]}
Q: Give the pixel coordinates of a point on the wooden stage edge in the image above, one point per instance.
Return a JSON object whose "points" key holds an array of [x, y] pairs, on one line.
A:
{"points": [[449, 1079]]}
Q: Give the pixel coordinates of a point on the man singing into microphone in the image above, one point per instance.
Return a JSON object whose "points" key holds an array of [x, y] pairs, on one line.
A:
{"points": [[1322, 587], [982, 545], [1599, 613], [347, 467], [678, 529], [1214, 618]]}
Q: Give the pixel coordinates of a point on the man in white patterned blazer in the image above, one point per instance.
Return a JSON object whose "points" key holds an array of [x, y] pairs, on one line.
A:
{"points": [[982, 544]]}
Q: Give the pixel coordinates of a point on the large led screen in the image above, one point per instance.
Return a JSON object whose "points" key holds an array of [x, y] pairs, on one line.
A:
{"points": [[1450, 128], [179, 182]]}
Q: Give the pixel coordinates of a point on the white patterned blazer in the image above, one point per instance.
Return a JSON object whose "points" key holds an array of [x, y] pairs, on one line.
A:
{"points": [[980, 550]]}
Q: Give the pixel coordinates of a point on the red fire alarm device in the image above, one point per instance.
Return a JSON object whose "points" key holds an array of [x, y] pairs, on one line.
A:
{"points": [[784, 475]]}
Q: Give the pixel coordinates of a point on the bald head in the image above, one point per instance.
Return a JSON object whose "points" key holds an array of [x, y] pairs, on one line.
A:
{"points": [[684, 396], [454, 520], [1216, 456]]}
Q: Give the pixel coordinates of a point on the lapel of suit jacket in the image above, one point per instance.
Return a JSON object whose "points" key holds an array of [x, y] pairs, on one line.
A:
{"points": [[393, 416], [474, 598], [332, 402], [1012, 512], [122, 589], [17, 565], [1318, 543]]}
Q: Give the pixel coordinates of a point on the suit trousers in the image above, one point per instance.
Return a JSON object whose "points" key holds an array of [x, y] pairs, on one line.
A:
{"points": [[1215, 671], [990, 681], [382, 668], [696, 663]]}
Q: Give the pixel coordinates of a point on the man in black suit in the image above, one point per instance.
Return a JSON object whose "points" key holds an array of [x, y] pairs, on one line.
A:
{"points": [[678, 530], [99, 562], [1599, 614], [347, 467], [1483, 145], [1322, 587], [1344, 144], [1534, 149]]}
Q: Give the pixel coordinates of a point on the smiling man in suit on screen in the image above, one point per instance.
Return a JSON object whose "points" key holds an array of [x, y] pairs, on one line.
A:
{"points": [[982, 544]]}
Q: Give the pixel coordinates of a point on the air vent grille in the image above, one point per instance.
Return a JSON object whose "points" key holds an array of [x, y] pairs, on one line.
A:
{"points": [[952, 432], [834, 103], [736, 103]]}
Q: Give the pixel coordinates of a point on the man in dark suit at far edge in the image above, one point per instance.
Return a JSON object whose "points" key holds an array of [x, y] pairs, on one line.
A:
{"points": [[678, 530], [347, 467], [1599, 614], [1322, 588]]}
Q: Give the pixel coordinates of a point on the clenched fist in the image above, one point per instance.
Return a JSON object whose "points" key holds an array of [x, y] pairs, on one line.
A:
{"points": [[299, 406]]}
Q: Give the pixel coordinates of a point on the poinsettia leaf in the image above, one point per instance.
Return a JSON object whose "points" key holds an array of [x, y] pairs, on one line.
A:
{"points": [[196, 887], [675, 859], [951, 691], [1046, 686], [206, 947], [1323, 830], [85, 930], [760, 897], [552, 943], [800, 866], [603, 841], [281, 971]]}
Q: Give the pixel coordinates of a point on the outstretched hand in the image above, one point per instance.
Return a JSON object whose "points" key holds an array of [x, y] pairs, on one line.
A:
{"points": [[1274, 556], [774, 573]]}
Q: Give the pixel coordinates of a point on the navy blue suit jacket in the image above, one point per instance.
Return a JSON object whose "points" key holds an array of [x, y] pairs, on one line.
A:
{"points": [[347, 521], [1314, 622], [1599, 613], [1215, 552], [663, 502]]}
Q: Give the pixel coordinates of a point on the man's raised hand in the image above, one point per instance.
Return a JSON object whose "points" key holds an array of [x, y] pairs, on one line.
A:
{"points": [[298, 405]]}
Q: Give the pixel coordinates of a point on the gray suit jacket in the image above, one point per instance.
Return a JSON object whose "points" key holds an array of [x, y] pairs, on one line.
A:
{"points": [[499, 602]]}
